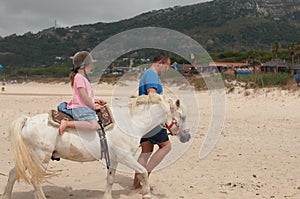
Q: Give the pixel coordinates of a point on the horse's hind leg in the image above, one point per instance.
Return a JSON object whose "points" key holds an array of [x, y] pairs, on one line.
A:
{"points": [[38, 191], [10, 184], [111, 172]]}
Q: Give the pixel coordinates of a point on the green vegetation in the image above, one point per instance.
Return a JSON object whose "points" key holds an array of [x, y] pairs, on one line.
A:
{"points": [[261, 80], [61, 70], [230, 30], [219, 26]]}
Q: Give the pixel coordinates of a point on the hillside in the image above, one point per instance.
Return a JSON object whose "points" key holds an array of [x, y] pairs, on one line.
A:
{"points": [[219, 25]]}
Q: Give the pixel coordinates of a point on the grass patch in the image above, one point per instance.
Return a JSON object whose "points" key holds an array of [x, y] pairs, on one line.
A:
{"points": [[262, 80]]}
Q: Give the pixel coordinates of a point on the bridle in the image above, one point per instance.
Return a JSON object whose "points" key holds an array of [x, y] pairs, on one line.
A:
{"points": [[171, 127], [174, 127]]}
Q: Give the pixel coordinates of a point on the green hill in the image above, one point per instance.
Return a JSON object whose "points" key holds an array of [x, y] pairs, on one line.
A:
{"points": [[220, 25]]}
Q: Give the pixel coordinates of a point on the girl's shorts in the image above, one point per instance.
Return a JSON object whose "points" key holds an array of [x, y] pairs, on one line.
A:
{"points": [[81, 113]]}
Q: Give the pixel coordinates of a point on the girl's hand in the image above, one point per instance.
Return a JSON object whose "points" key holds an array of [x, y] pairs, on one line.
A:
{"points": [[99, 101], [97, 106]]}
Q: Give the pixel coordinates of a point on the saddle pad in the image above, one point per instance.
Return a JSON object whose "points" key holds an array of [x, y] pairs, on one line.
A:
{"points": [[106, 117], [55, 117], [104, 114]]}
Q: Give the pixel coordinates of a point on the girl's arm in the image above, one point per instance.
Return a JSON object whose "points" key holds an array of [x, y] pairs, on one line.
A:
{"points": [[84, 96]]}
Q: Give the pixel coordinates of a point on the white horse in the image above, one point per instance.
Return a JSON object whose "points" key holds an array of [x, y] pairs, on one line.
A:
{"points": [[34, 141]]}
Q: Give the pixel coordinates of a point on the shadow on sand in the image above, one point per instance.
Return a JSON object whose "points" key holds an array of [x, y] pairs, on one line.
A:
{"points": [[57, 192]]}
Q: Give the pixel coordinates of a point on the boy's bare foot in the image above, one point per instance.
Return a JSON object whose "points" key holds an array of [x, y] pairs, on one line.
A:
{"points": [[136, 186], [136, 183], [62, 127]]}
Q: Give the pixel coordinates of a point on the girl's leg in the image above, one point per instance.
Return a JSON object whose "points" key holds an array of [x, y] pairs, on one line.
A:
{"points": [[82, 125]]}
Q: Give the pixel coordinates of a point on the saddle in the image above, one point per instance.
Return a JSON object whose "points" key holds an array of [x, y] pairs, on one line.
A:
{"points": [[106, 117], [104, 114]]}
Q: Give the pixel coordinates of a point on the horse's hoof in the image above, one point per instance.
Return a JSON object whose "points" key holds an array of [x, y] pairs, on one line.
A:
{"points": [[107, 196], [147, 196], [134, 191]]}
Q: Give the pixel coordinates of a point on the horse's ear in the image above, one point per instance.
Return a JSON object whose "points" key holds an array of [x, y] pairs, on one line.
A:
{"points": [[177, 103], [170, 101]]}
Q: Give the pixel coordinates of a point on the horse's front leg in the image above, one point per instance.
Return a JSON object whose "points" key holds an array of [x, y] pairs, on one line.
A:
{"points": [[10, 184], [144, 179], [142, 174], [111, 172]]}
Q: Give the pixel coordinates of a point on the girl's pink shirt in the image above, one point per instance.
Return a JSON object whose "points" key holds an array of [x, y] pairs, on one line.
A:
{"points": [[80, 82]]}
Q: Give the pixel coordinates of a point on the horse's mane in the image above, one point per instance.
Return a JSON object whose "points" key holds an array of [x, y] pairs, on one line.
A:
{"points": [[151, 98]]}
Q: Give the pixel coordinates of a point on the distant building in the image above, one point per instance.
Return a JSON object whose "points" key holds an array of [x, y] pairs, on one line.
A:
{"points": [[274, 66], [231, 67], [295, 69], [184, 68], [120, 70], [175, 66]]}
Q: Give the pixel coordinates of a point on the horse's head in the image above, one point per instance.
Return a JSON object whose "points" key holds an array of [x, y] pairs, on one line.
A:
{"points": [[176, 122], [176, 118]]}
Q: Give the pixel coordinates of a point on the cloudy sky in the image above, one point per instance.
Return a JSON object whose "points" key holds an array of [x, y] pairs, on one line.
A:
{"points": [[21, 16]]}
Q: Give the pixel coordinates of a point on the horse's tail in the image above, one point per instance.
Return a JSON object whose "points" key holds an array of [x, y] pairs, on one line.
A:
{"points": [[28, 166]]}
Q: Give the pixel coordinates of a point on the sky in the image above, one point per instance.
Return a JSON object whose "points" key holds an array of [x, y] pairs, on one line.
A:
{"points": [[21, 16]]}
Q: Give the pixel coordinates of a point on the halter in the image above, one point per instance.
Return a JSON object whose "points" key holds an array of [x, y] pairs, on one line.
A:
{"points": [[174, 127], [171, 126]]}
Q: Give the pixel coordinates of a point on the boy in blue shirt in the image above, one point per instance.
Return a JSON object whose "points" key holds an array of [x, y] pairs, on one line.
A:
{"points": [[150, 82]]}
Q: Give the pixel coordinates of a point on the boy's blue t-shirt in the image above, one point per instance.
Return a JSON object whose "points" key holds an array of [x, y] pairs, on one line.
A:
{"points": [[148, 80]]}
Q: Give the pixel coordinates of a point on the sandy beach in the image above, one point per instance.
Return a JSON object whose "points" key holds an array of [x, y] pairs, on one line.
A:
{"points": [[256, 156]]}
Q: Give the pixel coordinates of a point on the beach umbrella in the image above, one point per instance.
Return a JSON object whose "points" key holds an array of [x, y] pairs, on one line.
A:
{"points": [[1, 66]]}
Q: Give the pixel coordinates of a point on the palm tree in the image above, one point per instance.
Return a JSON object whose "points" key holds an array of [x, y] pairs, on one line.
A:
{"points": [[254, 59], [292, 51], [276, 47], [297, 51]]}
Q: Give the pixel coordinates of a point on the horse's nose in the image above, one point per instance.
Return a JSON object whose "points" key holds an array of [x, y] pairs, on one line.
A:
{"points": [[185, 136]]}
